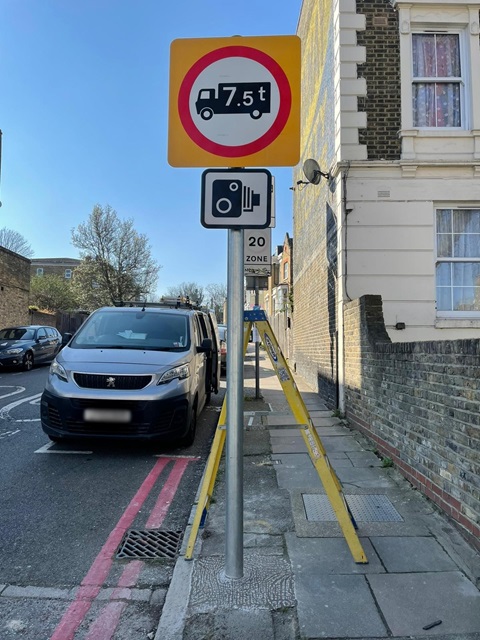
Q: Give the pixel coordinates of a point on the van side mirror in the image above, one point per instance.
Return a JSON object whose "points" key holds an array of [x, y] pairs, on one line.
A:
{"points": [[66, 338], [206, 346]]}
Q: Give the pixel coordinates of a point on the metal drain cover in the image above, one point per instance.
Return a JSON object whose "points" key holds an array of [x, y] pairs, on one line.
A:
{"points": [[150, 543], [369, 508]]}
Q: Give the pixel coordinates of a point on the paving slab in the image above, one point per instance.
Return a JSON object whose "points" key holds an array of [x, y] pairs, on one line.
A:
{"points": [[330, 556], [335, 606], [273, 420], [327, 421], [364, 477], [288, 430], [410, 601], [408, 555], [342, 443], [234, 625], [293, 447], [364, 459]]}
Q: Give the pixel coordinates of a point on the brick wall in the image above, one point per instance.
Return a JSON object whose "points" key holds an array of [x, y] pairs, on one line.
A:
{"points": [[314, 228], [382, 74], [420, 403], [14, 288]]}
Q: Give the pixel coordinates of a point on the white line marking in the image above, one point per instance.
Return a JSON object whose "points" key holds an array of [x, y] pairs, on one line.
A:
{"points": [[4, 411], [164, 455], [250, 421], [46, 449], [9, 433], [12, 393]]}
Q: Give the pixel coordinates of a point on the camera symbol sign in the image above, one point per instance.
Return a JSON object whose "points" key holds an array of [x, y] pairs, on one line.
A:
{"points": [[236, 198]]}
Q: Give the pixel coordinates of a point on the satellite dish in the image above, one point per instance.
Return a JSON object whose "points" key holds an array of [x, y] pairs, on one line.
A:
{"points": [[312, 171]]}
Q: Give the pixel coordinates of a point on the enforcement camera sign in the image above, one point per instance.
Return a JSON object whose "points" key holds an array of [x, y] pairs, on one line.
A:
{"points": [[233, 199], [234, 102]]}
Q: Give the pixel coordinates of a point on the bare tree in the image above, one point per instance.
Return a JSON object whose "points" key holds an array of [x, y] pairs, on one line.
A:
{"points": [[14, 241], [117, 263], [192, 290], [216, 298]]}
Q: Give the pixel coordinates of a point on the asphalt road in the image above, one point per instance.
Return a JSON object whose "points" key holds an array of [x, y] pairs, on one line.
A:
{"points": [[63, 510]]}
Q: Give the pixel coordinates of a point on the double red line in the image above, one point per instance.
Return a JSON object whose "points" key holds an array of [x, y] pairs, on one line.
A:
{"points": [[105, 624]]}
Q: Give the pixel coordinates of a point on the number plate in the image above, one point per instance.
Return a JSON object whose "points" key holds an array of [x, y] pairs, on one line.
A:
{"points": [[107, 415]]}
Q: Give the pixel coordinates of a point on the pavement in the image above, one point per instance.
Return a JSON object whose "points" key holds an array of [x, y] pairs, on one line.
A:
{"points": [[299, 579]]}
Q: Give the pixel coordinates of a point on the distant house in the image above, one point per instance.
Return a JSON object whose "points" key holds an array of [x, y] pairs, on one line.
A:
{"points": [[63, 267], [279, 296]]}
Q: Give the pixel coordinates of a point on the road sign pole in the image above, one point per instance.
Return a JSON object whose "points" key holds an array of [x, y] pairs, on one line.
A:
{"points": [[234, 451], [257, 346]]}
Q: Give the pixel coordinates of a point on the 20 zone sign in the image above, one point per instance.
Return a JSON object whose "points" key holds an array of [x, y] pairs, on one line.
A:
{"points": [[257, 252]]}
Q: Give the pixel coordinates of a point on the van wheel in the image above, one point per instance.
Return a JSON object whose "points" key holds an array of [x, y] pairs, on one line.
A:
{"points": [[188, 439]]}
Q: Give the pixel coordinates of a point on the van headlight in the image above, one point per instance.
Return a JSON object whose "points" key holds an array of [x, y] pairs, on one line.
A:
{"points": [[180, 372], [57, 370]]}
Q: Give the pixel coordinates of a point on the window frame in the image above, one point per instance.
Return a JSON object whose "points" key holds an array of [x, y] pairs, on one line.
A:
{"points": [[39, 271], [461, 80], [70, 272], [450, 313]]}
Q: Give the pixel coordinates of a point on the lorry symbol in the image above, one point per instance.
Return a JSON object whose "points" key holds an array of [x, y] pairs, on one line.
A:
{"points": [[235, 97]]}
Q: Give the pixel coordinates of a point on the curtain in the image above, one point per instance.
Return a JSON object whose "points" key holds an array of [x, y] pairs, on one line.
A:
{"points": [[436, 103]]}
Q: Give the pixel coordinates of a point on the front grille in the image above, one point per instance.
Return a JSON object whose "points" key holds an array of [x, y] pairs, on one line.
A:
{"points": [[79, 427], [54, 416], [96, 381], [148, 419]]}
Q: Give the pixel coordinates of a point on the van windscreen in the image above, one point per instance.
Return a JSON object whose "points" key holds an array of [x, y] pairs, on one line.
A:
{"points": [[122, 329]]}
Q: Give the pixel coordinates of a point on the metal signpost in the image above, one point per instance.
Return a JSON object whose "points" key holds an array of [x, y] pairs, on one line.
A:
{"points": [[257, 262], [235, 102]]}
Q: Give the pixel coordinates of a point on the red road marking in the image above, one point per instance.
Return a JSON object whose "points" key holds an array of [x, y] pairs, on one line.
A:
{"points": [[167, 493], [104, 626], [98, 572]]}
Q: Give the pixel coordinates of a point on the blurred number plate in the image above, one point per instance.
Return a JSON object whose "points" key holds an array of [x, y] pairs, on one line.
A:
{"points": [[107, 415]]}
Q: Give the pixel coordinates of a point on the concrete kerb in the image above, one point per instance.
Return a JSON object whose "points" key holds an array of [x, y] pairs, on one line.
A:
{"points": [[174, 612]]}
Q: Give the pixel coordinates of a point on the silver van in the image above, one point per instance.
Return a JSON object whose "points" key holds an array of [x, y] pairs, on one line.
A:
{"points": [[133, 372]]}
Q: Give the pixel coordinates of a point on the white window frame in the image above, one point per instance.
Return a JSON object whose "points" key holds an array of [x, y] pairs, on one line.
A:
{"points": [[461, 80], [69, 272], [416, 16], [39, 271], [442, 313]]}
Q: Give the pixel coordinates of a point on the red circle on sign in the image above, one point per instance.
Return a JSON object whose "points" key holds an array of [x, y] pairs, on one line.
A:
{"points": [[245, 149]]}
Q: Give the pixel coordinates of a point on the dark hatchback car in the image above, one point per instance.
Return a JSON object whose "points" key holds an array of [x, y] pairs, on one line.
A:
{"points": [[28, 345]]}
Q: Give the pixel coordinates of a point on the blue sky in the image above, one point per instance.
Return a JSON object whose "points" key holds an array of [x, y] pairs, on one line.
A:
{"points": [[84, 113]]}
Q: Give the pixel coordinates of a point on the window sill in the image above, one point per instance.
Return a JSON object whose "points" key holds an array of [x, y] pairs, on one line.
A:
{"points": [[457, 323], [437, 132]]}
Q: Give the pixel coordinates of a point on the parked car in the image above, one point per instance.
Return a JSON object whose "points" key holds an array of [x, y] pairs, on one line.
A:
{"points": [[28, 345], [222, 332], [133, 372]]}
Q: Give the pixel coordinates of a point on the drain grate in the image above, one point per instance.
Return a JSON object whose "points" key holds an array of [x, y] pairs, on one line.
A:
{"points": [[369, 508], [150, 544]]}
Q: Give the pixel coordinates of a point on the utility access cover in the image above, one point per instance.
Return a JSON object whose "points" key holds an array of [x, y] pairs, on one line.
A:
{"points": [[369, 508], [150, 544]]}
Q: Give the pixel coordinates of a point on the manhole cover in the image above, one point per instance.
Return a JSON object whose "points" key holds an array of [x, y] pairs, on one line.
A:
{"points": [[151, 543], [369, 508]]}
